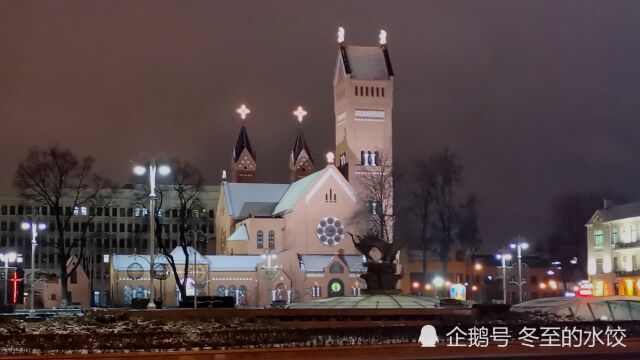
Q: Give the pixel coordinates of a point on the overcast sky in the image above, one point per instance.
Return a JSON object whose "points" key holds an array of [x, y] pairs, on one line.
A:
{"points": [[538, 98]]}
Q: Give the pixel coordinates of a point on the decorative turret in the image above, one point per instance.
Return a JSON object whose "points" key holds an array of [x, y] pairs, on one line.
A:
{"points": [[243, 159], [300, 161]]}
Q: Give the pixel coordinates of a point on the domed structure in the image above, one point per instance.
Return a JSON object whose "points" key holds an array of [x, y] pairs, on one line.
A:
{"points": [[371, 302]]}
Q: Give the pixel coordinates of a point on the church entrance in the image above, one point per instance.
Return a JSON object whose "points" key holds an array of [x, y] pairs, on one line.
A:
{"points": [[336, 288]]}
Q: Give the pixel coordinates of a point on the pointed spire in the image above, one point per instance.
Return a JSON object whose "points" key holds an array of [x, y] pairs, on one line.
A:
{"points": [[301, 162], [243, 143]]}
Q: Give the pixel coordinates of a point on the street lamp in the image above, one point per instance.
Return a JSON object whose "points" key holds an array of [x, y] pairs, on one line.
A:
{"points": [[7, 258], [519, 244], [162, 170], [195, 236], [35, 227], [504, 256]]}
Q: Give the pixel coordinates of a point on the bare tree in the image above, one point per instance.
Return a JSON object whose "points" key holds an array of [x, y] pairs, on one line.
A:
{"points": [[422, 208], [56, 178], [185, 185], [377, 197]]}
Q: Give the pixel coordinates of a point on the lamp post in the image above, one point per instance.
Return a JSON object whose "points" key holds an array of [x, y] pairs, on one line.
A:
{"points": [[504, 257], [7, 258], [34, 226], [163, 170], [195, 237], [519, 244]]}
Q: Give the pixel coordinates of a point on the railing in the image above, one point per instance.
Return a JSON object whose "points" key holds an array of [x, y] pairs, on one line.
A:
{"points": [[628, 273], [623, 245]]}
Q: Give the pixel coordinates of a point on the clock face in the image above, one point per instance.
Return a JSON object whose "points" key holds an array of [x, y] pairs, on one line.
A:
{"points": [[330, 231]]}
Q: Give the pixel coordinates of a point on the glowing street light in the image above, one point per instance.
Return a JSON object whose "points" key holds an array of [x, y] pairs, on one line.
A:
{"points": [[162, 170], [438, 281], [35, 227], [7, 258], [504, 257], [519, 244], [477, 267]]}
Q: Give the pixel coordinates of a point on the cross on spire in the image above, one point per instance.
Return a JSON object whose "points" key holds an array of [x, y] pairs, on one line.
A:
{"points": [[243, 111], [383, 37], [340, 35], [300, 113]]}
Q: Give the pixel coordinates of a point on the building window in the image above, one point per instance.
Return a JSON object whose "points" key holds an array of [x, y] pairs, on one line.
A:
{"points": [[599, 266], [598, 238], [272, 240], [260, 239], [634, 233], [53, 297], [74, 277], [614, 236], [336, 268], [616, 266], [369, 115]]}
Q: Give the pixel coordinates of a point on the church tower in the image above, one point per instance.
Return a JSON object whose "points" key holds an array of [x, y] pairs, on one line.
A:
{"points": [[363, 103], [243, 159], [300, 161]]}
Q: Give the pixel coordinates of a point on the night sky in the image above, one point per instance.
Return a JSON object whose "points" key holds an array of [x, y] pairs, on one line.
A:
{"points": [[538, 98]]}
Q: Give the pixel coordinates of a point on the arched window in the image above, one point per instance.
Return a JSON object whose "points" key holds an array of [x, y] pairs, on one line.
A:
{"points": [[128, 294], [336, 268], [362, 158], [220, 291], [260, 239], [272, 240], [382, 92], [232, 291], [377, 158], [356, 90]]}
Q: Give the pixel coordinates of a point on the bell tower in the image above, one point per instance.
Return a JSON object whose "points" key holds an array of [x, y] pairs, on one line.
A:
{"points": [[363, 104], [243, 158]]}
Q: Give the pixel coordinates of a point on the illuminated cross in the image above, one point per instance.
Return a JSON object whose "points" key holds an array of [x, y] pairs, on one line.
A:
{"points": [[383, 37], [340, 35], [243, 111], [300, 113], [14, 291]]}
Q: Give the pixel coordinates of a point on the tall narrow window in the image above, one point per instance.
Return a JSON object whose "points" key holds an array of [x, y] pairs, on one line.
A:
{"points": [[362, 158], [382, 92], [377, 91], [614, 236], [366, 91], [598, 238], [272, 240], [356, 88], [634, 233], [260, 239]]}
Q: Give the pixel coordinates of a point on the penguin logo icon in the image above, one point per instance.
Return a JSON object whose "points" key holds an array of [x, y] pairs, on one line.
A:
{"points": [[428, 336]]}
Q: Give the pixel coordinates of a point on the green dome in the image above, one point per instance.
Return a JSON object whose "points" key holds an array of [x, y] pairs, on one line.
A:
{"points": [[371, 302]]}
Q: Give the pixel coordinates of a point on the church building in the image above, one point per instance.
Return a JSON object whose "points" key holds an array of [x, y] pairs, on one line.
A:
{"points": [[291, 241]]}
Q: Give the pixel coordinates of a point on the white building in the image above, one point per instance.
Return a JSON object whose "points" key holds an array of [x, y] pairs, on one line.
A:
{"points": [[614, 250], [121, 228]]}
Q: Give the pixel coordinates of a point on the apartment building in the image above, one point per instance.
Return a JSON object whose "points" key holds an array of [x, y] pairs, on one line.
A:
{"points": [[120, 228]]}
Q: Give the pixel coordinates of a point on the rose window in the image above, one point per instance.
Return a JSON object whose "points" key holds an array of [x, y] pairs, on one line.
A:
{"points": [[330, 231]]}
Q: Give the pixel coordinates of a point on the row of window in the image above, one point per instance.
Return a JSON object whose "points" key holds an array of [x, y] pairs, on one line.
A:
{"points": [[106, 227], [374, 91], [628, 234], [260, 240], [90, 211]]}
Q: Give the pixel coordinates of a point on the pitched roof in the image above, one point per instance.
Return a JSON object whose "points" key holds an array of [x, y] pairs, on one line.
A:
{"points": [[257, 196], [366, 62], [295, 192], [243, 143], [240, 234], [179, 257], [234, 262], [317, 263], [298, 146], [617, 212]]}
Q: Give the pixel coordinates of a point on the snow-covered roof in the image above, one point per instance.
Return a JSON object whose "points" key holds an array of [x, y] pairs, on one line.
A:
{"points": [[240, 234], [295, 192], [234, 262], [179, 257], [617, 212], [237, 195], [317, 263]]}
